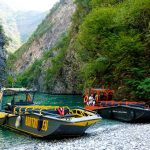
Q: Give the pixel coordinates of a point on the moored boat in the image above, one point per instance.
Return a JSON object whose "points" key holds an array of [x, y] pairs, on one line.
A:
{"points": [[46, 121], [126, 114], [126, 111]]}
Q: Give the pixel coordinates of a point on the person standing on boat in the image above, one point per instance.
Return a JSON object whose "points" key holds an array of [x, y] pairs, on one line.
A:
{"points": [[91, 100], [96, 99]]}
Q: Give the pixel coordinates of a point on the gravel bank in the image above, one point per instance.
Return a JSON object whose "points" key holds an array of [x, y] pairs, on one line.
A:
{"points": [[107, 135]]}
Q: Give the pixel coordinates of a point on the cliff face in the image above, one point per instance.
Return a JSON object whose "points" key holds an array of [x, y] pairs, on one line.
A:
{"points": [[2, 58], [57, 73], [67, 79], [64, 80], [57, 22]]}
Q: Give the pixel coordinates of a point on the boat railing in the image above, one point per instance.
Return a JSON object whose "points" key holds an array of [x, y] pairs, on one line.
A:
{"points": [[46, 110], [94, 112], [82, 112], [51, 110], [119, 103]]}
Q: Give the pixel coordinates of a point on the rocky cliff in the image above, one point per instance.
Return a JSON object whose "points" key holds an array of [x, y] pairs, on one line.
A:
{"points": [[46, 35], [2, 58], [48, 60]]}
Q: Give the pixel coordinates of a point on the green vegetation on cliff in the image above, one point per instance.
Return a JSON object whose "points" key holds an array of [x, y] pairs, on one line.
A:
{"points": [[3, 43], [112, 41], [56, 63], [30, 76]]}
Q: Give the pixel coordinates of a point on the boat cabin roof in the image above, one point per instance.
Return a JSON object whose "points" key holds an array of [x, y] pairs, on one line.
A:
{"points": [[99, 90], [14, 89], [18, 89], [19, 96]]}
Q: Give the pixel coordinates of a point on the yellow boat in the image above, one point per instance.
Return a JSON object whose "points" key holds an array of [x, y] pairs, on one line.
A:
{"points": [[46, 121]]}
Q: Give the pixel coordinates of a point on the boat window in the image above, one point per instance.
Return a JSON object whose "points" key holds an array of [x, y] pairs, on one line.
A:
{"points": [[18, 99]]}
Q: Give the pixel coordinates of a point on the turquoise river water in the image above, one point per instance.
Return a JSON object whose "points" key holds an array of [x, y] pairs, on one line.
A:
{"points": [[105, 135]]}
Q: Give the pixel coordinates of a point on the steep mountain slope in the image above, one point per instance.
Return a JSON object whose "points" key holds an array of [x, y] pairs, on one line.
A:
{"points": [[18, 25], [46, 35], [2, 57], [56, 70]]}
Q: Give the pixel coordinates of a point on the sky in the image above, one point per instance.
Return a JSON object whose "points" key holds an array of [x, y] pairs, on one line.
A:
{"points": [[39, 5]]}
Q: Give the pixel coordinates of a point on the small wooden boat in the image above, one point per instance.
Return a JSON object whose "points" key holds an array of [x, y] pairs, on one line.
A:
{"points": [[46, 121], [126, 111]]}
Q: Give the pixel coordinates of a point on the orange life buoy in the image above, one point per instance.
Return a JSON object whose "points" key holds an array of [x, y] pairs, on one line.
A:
{"points": [[61, 111], [86, 98], [29, 98]]}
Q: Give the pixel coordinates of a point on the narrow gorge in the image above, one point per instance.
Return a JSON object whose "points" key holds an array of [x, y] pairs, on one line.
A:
{"points": [[89, 43]]}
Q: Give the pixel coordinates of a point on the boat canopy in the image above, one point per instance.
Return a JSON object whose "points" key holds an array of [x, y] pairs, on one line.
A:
{"points": [[17, 99], [98, 91], [18, 89], [14, 89]]}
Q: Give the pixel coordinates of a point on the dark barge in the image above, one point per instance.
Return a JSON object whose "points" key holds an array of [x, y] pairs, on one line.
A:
{"points": [[126, 111]]}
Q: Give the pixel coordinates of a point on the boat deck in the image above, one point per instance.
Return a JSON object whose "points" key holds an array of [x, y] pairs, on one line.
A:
{"points": [[3, 115]]}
